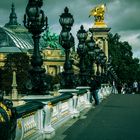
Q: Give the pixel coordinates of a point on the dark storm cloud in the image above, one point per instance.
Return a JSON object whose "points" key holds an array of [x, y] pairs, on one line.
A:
{"points": [[5, 3], [138, 37], [96, 2], [78, 8], [124, 15], [5, 9], [121, 15]]}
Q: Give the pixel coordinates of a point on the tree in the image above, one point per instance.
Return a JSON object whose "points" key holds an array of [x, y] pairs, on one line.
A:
{"points": [[20, 63], [124, 64]]}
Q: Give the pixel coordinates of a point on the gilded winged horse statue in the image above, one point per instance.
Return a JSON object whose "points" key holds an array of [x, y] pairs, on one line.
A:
{"points": [[98, 12]]}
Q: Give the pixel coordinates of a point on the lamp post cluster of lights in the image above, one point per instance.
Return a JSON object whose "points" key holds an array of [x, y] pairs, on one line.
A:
{"points": [[90, 50], [66, 40], [36, 22]]}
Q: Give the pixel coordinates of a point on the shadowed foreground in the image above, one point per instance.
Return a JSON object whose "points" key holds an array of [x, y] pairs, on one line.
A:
{"points": [[116, 118]]}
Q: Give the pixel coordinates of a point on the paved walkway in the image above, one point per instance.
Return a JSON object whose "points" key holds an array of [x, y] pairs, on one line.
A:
{"points": [[116, 118]]}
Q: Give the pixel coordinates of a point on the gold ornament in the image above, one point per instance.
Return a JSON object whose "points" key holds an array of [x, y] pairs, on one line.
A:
{"points": [[98, 12]]}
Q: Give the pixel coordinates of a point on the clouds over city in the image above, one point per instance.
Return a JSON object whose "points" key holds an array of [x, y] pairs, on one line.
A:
{"points": [[121, 15]]}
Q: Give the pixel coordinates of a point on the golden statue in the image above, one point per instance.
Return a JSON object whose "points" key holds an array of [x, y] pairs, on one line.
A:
{"points": [[98, 12]]}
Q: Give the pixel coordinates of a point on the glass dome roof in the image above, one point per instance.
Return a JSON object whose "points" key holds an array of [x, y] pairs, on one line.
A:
{"points": [[11, 42]]}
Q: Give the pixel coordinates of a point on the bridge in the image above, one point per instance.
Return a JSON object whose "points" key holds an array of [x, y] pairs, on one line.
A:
{"points": [[70, 115]]}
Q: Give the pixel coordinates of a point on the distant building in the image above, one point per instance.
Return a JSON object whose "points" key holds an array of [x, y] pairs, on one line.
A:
{"points": [[15, 38]]}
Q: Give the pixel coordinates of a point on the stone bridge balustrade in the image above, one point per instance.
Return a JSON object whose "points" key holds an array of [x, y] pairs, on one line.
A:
{"points": [[39, 118], [27, 120], [104, 91], [84, 99], [72, 102]]}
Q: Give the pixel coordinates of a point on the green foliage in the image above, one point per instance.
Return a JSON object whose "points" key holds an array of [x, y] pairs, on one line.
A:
{"points": [[126, 67], [20, 63]]}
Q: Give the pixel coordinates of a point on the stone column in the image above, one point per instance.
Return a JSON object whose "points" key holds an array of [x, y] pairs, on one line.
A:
{"points": [[102, 35], [95, 68], [48, 130], [58, 69], [14, 86], [106, 47]]}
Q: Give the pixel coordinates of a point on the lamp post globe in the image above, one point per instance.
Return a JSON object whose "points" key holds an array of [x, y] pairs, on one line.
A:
{"points": [[66, 20], [91, 44], [82, 35], [34, 18]]}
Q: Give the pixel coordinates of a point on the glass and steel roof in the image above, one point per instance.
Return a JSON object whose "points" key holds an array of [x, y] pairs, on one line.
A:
{"points": [[11, 42]]}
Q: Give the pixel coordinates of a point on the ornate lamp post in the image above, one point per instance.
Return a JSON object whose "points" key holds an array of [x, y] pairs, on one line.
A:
{"points": [[97, 61], [36, 22], [82, 36], [91, 52], [103, 70], [67, 41], [103, 64], [102, 55]]}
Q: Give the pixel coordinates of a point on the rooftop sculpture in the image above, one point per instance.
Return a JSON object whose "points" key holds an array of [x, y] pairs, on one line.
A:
{"points": [[99, 12]]}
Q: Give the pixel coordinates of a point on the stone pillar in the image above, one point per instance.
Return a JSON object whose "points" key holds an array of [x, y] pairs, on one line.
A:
{"points": [[101, 35], [46, 68], [100, 69], [95, 68], [58, 69], [14, 86], [48, 130], [106, 48]]}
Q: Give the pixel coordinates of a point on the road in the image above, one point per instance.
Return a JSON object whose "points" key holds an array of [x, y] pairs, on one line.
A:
{"points": [[116, 118]]}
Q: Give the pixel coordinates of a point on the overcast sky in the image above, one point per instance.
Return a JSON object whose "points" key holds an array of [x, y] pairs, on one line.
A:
{"points": [[121, 15]]}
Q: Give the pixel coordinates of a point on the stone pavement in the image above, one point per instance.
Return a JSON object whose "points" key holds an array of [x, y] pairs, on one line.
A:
{"points": [[116, 118]]}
